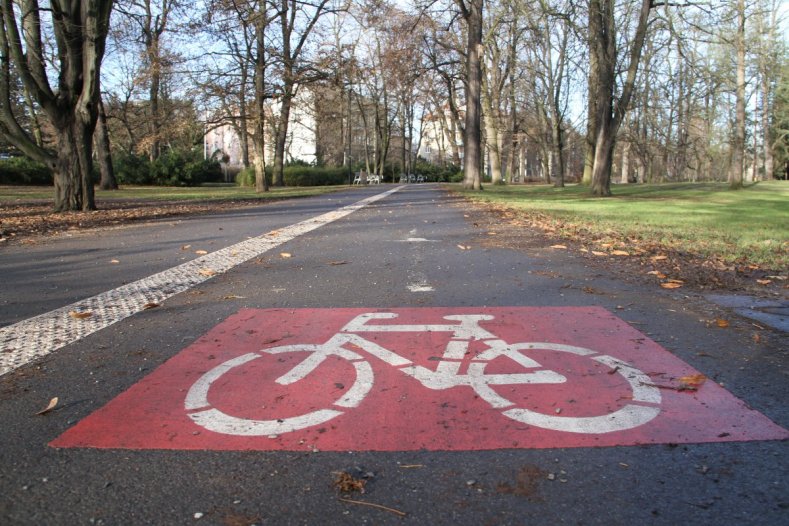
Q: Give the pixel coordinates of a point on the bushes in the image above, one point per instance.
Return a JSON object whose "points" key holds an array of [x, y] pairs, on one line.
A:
{"points": [[439, 174], [299, 175], [172, 168], [23, 171], [314, 176]]}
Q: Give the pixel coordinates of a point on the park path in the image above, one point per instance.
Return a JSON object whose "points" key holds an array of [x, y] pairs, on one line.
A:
{"points": [[416, 252]]}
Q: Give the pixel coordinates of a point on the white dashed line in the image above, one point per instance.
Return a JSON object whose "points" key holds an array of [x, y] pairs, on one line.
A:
{"points": [[33, 338]]}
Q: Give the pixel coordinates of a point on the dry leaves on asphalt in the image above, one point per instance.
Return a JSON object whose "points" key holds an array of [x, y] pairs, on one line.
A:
{"points": [[80, 315], [346, 483], [52, 405]]}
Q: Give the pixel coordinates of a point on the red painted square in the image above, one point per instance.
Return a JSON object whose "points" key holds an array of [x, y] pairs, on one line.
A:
{"points": [[431, 378]]}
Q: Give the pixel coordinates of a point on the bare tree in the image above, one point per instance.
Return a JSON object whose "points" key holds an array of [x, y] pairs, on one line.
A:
{"points": [[80, 31], [610, 110]]}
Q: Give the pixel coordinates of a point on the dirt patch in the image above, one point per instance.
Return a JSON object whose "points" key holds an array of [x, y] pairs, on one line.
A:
{"points": [[526, 482]]}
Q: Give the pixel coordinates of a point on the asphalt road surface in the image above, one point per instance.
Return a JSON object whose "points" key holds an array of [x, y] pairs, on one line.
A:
{"points": [[185, 354]]}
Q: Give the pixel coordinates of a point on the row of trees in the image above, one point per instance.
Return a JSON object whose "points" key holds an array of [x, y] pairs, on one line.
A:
{"points": [[627, 89]]}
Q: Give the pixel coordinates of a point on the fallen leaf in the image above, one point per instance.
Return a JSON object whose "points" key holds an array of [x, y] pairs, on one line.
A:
{"points": [[559, 247], [584, 250], [285, 255], [492, 233], [463, 247], [620, 253], [201, 252], [757, 338], [207, 272], [114, 261], [657, 273], [50, 406], [186, 247], [335, 263], [150, 305], [233, 297], [691, 382], [80, 315], [596, 253], [671, 285], [764, 281], [606, 245], [659, 258], [721, 323], [676, 281]]}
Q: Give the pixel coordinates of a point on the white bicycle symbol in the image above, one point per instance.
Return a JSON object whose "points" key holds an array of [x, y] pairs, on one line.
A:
{"points": [[445, 376]]}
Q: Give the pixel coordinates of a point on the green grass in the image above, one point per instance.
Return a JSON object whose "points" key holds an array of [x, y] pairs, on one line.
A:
{"points": [[704, 219], [164, 193]]}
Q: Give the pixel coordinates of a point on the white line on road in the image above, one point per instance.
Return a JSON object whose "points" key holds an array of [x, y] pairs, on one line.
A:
{"points": [[33, 338], [416, 277]]}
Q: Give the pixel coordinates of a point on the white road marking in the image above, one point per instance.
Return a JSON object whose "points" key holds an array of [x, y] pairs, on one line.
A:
{"points": [[417, 280], [33, 338]]}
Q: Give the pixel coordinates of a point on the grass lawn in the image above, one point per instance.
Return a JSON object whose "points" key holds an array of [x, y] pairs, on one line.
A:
{"points": [[704, 219], [167, 193]]}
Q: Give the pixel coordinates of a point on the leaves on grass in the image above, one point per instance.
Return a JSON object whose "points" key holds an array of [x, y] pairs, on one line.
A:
{"points": [[50, 406], [80, 315], [620, 253]]}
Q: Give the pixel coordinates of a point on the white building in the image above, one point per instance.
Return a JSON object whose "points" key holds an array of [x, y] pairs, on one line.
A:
{"points": [[301, 142]]}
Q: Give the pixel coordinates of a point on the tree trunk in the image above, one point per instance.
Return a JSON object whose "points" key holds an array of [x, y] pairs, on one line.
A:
{"points": [[102, 136], [73, 167], [492, 142], [769, 163], [282, 136], [625, 176], [557, 153], [738, 146], [259, 137], [472, 136], [591, 110]]}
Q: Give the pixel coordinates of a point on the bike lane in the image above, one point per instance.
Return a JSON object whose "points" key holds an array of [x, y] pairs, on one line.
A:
{"points": [[372, 260], [272, 380]]}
